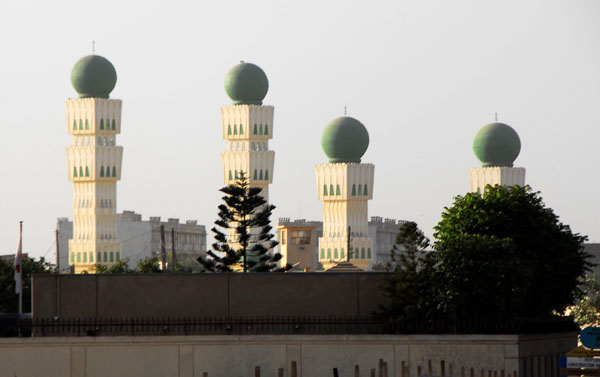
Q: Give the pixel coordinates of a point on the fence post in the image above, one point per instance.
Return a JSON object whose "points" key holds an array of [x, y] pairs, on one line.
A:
{"points": [[442, 368], [356, 372], [294, 371], [256, 371], [380, 367]]}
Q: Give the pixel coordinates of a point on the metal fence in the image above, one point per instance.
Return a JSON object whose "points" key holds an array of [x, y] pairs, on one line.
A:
{"points": [[11, 327]]}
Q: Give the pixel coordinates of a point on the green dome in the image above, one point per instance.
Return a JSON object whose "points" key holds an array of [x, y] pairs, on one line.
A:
{"points": [[497, 144], [246, 84], [93, 76], [345, 139]]}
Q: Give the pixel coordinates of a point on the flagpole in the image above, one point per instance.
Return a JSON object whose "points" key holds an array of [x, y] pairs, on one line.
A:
{"points": [[21, 279]]}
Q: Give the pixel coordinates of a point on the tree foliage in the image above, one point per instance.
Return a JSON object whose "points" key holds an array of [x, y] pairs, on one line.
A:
{"points": [[9, 300], [243, 232], [407, 285], [587, 311], [504, 254]]}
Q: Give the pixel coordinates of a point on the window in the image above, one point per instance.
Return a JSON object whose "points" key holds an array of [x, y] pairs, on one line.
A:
{"points": [[365, 192], [300, 237], [72, 257], [74, 129], [338, 191], [229, 129], [235, 129], [105, 256], [74, 172], [112, 256], [359, 191], [260, 175], [343, 253], [324, 190], [80, 124], [78, 257], [91, 256], [237, 176], [241, 129], [335, 253], [266, 175], [80, 171], [99, 258], [114, 172], [328, 253], [353, 189], [230, 176], [369, 253], [118, 256], [255, 130], [260, 130], [266, 129], [87, 171], [255, 177], [114, 125], [87, 124], [102, 123], [362, 253], [331, 190], [102, 171], [322, 254]]}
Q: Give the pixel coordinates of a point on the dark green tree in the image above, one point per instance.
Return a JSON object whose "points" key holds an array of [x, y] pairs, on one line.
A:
{"points": [[503, 255], [148, 265], [587, 311], [9, 300], [243, 232], [120, 267], [406, 286]]}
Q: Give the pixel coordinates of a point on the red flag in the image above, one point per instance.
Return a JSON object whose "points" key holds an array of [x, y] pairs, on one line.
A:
{"points": [[19, 261]]}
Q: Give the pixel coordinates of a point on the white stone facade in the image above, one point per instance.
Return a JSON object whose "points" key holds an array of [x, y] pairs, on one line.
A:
{"points": [[496, 175], [345, 189], [94, 167], [248, 129]]}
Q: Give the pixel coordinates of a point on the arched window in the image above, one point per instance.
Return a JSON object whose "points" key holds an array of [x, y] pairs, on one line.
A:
{"points": [[87, 171], [260, 175], [260, 130], [91, 256], [87, 124], [365, 192], [322, 254], [114, 172], [78, 257], [102, 123], [353, 189], [338, 191], [105, 256], [328, 253], [99, 258], [343, 253], [331, 190], [324, 190], [72, 257], [74, 172], [255, 177], [235, 129], [74, 125], [335, 253], [369, 253], [229, 129], [266, 129], [230, 176], [80, 124], [241, 129], [112, 256], [237, 175], [118, 256], [102, 171], [266, 175], [362, 253], [114, 125], [80, 171], [255, 130], [359, 190]]}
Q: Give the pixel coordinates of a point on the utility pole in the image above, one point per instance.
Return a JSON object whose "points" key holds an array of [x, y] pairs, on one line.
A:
{"points": [[173, 249], [57, 250], [348, 255], [163, 252]]}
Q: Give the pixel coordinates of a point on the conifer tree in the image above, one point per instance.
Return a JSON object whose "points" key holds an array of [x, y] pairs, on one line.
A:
{"points": [[243, 232]]}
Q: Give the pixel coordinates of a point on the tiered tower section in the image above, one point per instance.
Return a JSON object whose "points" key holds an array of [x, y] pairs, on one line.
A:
{"points": [[94, 120], [345, 185], [497, 146], [248, 127]]}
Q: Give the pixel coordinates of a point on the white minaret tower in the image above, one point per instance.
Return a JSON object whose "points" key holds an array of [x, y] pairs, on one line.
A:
{"points": [[497, 146], [94, 120], [248, 127], [345, 185]]}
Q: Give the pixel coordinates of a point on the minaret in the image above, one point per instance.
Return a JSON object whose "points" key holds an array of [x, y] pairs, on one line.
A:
{"points": [[345, 185], [248, 127], [94, 120], [497, 146]]}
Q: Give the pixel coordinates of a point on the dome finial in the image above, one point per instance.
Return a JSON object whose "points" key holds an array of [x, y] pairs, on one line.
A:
{"points": [[495, 117], [93, 47], [345, 110]]}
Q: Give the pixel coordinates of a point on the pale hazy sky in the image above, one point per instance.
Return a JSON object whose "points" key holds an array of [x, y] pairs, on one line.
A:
{"points": [[422, 75]]}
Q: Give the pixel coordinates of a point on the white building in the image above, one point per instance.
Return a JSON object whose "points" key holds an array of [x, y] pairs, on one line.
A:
{"points": [[94, 166], [497, 146], [345, 185]]}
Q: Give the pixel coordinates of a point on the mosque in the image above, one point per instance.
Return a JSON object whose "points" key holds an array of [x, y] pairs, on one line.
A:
{"points": [[345, 184]]}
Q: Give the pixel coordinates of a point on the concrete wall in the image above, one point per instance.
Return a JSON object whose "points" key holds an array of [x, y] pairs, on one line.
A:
{"points": [[197, 295], [233, 356]]}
